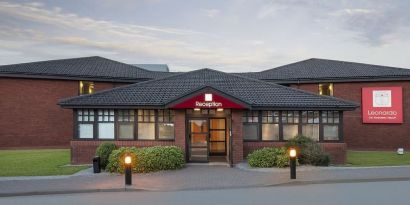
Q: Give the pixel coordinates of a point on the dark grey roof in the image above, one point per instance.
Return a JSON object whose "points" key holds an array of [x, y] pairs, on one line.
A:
{"points": [[94, 67], [316, 69], [154, 67], [252, 92]]}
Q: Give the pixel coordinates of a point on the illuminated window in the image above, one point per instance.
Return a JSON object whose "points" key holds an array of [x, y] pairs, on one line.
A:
{"points": [[146, 124], [310, 124], [125, 122], [105, 124], [166, 124], [290, 120], [270, 125], [85, 119], [326, 89], [86, 87]]}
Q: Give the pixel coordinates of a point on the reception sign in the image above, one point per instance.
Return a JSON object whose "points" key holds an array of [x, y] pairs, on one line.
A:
{"points": [[382, 105], [208, 100]]}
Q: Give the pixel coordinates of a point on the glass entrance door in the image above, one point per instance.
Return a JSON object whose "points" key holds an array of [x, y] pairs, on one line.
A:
{"points": [[198, 140], [217, 138]]}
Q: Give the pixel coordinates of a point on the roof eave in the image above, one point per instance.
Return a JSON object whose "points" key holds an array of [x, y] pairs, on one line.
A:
{"points": [[331, 80], [57, 77]]}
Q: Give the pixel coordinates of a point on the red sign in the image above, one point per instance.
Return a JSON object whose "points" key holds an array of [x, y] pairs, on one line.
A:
{"points": [[382, 105], [207, 100]]}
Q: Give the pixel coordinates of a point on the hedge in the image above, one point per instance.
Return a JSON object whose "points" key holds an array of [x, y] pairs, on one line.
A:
{"points": [[269, 157], [103, 151], [310, 151], [148, 159]]}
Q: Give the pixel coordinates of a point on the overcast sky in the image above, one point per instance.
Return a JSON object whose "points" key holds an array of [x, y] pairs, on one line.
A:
{"points": [[226, 35]]}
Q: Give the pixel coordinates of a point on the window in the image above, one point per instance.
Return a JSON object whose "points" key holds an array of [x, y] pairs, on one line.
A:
{"points": [[166, 124], [126, 124], [310, 124], [270, 125], [86, 87], [330, 121], [290, 121], [250, 125], [146, 124], [326, 89], [85, 118], [105, 124]]}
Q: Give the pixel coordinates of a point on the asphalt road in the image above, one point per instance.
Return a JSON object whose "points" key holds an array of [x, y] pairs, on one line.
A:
{"points": [[374, 193]]}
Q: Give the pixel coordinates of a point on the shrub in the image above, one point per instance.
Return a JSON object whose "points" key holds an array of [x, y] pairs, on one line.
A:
{"points": [[149, 159], [104, 151], [310, 152], [268, 157], [314, 155], [116, 159]]}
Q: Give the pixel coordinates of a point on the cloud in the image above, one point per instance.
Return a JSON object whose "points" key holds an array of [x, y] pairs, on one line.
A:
{"points": [[374, 26], [370, 22], [141, 41], [211, 13]]}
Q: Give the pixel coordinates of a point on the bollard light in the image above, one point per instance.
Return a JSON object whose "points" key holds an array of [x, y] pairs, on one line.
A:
{"points": [[128, 174], [128, 160], [292, 156]]}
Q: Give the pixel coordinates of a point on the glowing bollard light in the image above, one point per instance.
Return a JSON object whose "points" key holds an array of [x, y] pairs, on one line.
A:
{"points": [[292, 156], [128, 173]]}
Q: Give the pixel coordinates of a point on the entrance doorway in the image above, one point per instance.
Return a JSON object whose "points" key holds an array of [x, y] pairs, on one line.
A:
{"points": [[207, 139]]}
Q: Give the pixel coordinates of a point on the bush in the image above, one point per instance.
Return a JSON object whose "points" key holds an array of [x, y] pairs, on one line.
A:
{"points": [[268, 157], [104, 151], [149, 159], [116, 159], [310, 152]]}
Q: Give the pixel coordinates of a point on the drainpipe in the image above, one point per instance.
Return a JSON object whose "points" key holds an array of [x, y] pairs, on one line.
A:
{"points": [[230, 143]]}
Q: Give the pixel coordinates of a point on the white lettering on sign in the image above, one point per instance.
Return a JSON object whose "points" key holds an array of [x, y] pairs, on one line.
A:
{"points": [[208, 104], [382, 98], [370, 112]]}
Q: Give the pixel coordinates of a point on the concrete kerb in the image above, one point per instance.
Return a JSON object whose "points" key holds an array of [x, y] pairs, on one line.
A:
{"points": [[245, 166], [131, 189]]}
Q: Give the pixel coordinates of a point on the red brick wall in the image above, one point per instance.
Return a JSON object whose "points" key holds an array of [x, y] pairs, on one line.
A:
{"points": [[82, 152], [237, 137], [371, 136], [180, 132], [30, 116], [337, 151]]}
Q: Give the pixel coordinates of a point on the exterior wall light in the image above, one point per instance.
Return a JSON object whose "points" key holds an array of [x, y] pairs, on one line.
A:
{"points": [[128, 174], [197, 109], [220, 109], [292, 157]]}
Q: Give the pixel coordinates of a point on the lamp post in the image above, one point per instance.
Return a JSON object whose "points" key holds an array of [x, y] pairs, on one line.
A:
{"points": [[128, 174], [292, 156]]}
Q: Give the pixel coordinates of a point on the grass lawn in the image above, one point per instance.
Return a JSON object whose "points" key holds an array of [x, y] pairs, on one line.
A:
{"points": [[36, 162], [376, 158]]}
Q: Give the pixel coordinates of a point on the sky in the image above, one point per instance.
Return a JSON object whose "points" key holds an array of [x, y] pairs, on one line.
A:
{"points": [[230, 35]]}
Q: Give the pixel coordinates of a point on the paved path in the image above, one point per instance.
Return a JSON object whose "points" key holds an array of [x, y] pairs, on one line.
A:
{"points": [[197, 177], [373, 193]]}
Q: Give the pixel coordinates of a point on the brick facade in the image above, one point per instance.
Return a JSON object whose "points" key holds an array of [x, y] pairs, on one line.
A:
{"points": [[82, 151], [30, 116], [358, 135], [237, 137], [337, 151]]}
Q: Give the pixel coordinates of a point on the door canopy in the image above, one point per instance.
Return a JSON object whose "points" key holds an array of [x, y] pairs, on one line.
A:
{"points": [[208, 100]]}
